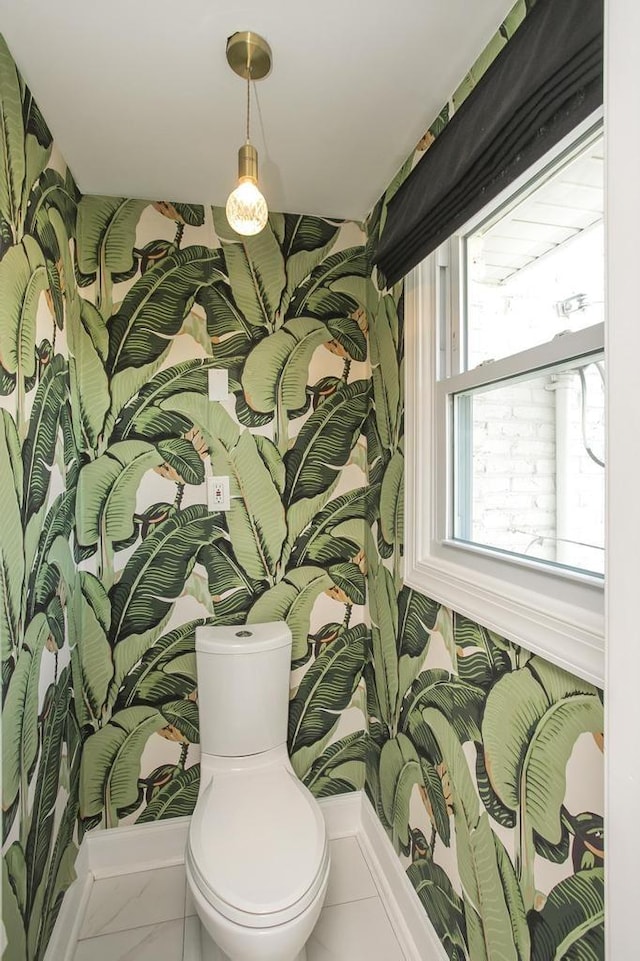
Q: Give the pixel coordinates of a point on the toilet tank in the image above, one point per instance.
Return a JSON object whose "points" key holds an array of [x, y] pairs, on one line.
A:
{"points": [[243, 687]]}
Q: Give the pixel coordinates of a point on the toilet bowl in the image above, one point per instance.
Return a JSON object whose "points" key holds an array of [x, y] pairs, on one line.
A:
{"points": [[257, 857]]}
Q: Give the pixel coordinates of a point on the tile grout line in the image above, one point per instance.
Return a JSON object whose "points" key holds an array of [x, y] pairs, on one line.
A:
{"points": [[363, 897], [134, 944], [136, 927]]}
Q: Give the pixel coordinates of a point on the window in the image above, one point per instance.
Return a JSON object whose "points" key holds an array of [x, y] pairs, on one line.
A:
{"points": [[506, 350]]}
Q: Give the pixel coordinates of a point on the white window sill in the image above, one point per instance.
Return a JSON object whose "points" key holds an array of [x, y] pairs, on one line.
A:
{"points": [[571, 637]]}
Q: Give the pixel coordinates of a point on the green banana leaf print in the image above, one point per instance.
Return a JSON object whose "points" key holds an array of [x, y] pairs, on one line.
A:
{"points": [[325, 442], [315, 295], [23, 278], [175, 799], [12, 140], [326, 689], [114, 310], [106, 229], [39, 839], [399, 772], [107, 489], [531, 721], [256, 520], [111, 762], [155, 308], [336, 532], [167, 669], [571, 924], [106, 232], [20, 726], [88, 381], [11, 539], [39, 446], [292, 600], [154, 575], [495, 922], [91, 652], [442, 904], [276, 371], [341, 768], [256, 271]]}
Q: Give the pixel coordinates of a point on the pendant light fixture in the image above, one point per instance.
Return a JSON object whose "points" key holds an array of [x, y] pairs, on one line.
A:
{"points": [[248, 55]]}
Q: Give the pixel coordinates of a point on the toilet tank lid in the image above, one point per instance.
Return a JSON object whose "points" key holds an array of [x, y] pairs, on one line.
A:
{"points": [[242, 638]]}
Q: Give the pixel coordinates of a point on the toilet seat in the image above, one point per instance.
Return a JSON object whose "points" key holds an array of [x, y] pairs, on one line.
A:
{"points": [[257, 847]]}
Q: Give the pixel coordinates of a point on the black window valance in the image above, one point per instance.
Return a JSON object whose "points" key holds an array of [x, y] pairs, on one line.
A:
{"points": [[546, 80]]}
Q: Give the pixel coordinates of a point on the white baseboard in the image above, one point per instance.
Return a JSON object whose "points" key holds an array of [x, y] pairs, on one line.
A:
{"points": [[342, 814], [144, 847], [415, 932], [137, 847]]}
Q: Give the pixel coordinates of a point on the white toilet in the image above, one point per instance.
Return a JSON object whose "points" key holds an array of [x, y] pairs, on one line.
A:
{"points": [[257, 856]]}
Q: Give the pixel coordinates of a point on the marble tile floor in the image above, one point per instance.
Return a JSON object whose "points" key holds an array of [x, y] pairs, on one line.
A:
{"points": [[149, 916]]}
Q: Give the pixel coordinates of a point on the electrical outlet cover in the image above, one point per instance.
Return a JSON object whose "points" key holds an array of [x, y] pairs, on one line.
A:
{"points": [[218, 496]]}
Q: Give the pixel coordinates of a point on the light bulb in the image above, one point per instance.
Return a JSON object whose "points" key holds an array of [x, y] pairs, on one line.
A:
{"points": [[246, 208]]}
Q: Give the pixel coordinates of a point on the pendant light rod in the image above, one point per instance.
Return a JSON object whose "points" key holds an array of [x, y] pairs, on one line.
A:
{"points": [[248, 100]]}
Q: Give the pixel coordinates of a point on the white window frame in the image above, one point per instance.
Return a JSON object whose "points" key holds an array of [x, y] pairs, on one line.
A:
{"points": [[557, 615]]}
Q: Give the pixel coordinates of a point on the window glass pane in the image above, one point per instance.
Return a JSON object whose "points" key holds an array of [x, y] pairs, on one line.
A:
{"points": [[539, 269], [529, 465]]}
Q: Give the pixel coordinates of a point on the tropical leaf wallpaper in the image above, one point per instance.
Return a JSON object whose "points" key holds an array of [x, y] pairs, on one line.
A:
{"points": [[482, 762]]}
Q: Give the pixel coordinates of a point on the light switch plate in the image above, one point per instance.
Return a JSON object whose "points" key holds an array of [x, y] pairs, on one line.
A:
{"points": [[218, 383], [218, 496]]}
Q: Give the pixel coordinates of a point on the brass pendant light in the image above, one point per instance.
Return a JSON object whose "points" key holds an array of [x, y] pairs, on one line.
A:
{"points": [[248, 55]]}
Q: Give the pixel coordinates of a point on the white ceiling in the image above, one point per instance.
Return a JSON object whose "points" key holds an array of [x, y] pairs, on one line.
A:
{"points": [[142, 103]]}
